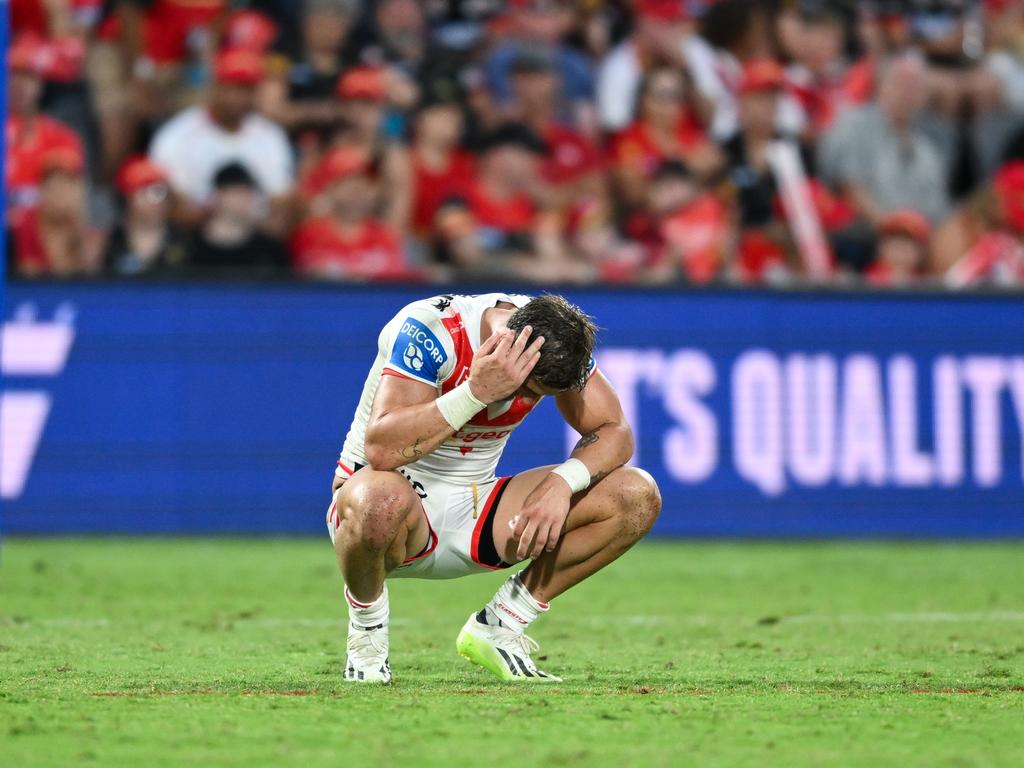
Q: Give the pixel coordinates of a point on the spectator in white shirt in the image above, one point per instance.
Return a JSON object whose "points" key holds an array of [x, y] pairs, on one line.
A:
{"points": [[880, 154], [197, 142], [1005, 61], [662, 34], [733, 31]]}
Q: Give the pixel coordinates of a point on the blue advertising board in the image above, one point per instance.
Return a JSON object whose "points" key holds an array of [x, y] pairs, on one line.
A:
{"points": [[4, 44], [197, 408]]}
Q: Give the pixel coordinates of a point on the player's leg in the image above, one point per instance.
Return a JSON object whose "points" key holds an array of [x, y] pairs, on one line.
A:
{"points": [[380, 523], [603, 522]]}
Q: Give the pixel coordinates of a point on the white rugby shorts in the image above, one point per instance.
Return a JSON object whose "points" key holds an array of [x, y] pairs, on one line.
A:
{"points": [[460, 519]]}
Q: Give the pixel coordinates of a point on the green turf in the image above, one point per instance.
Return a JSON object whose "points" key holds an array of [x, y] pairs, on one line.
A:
{"points": [[201, 653]]}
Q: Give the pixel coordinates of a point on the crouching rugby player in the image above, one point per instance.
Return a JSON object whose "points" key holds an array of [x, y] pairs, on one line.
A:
{"points": [[415, 490]]}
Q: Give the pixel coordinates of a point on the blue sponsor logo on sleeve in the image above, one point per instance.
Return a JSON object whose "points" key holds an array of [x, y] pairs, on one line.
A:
{"points": [[417, 351]]}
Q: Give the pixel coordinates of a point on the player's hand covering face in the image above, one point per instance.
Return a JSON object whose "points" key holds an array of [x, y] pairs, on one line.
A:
{"points": [[503, 363]]}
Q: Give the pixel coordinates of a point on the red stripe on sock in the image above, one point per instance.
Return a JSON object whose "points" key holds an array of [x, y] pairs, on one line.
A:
{"points": [[353, 602]]}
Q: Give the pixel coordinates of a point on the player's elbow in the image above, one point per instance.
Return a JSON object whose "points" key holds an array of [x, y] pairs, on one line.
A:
{"points": [[624, 434], [379, 454], [381, 457]]}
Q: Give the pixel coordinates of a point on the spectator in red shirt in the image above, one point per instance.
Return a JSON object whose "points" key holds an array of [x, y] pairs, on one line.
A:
{"points": [[686, 229], [983, 242], [168, 45], [665, 130], [55, 239], [505, 225], [572, 166], [441, 169], [901, 255], [365, 93], [348, 243], [63, 29], [167, 32], [507, 196], [821, 78], [28, 135]]}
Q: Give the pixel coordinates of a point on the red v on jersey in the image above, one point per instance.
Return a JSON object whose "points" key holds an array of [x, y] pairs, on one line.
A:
{"points": [[503, 416]]}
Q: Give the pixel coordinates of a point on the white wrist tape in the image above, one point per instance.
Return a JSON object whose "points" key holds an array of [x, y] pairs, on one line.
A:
{"points": [[459, 405], [575, 473]]}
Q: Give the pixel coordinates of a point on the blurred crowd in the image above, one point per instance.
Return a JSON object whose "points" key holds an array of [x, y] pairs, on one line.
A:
{"points": [[555, 141]]}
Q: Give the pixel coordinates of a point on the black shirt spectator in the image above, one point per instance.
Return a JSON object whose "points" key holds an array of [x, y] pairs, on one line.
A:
{"points": [[755, 185], [229, 240]]}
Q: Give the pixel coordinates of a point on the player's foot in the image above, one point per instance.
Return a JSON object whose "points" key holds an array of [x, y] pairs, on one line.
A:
{"points": [[367, 660], [500, 651]]}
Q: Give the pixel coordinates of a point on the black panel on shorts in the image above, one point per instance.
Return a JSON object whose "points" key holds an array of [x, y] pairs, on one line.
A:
{"points": [[486, 551]]}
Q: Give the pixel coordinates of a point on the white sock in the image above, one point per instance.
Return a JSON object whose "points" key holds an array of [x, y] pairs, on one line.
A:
{"points": [[514, 606], [368, 615]]}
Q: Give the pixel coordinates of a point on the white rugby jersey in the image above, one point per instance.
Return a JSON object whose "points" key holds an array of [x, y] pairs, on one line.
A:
{"points": [[433, 341]]}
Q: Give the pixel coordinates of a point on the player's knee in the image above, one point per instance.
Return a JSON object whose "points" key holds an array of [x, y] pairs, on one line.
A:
{"points": [[374, 505], [641, 501]]}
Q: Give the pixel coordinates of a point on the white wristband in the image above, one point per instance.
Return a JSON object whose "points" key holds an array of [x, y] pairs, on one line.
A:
{"points": [[575, 473], [459, 405]]}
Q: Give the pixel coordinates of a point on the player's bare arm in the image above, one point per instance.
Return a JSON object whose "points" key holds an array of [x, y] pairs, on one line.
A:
{"points": [[406, 423], [606, 444]]}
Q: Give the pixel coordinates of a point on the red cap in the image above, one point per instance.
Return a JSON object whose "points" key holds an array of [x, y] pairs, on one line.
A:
{"points": [[238, 67], [28, 53], [998, 6], [762, 75], [906, 222], [63, 159], [337, 164], [1009, 188], [249, 31], [139, 173], [663, 10], [364, 84]]}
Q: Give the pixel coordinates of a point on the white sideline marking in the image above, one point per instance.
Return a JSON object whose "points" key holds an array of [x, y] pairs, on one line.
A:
{"points": [[898, 617], [315, 622], [921, 617], [66, 621]]}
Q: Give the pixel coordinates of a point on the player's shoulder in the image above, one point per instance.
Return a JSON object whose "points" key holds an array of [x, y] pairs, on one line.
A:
{"points": [[446, 314], [430, 310], [418, 341], [482, 301]]}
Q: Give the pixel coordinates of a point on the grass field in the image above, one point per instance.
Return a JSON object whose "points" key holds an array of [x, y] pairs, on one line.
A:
{"points": [[229, 652]]}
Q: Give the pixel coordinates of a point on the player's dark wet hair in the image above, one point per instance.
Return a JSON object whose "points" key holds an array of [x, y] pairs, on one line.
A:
{"points": [[569, 335]]}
